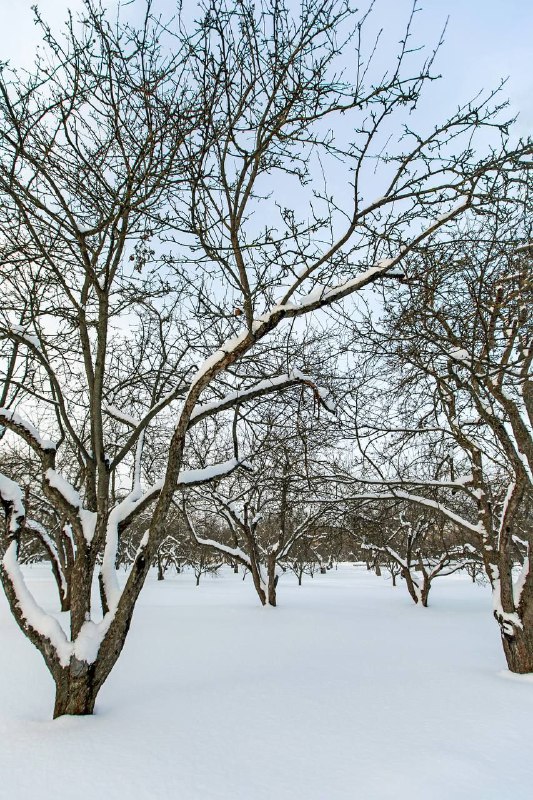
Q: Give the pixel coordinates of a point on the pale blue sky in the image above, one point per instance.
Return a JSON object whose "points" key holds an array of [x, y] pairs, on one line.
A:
{"points": [[486, 39]]}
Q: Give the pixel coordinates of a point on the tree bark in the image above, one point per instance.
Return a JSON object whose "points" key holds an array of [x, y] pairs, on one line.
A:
{"points": [[76, 690], [518, 649], [272, 580], [425, 592], [517, 639]]}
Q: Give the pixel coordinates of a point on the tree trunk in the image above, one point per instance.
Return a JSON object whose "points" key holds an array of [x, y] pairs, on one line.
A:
{"points": [[160, 570], [393, 575], [517, 637], [272, 580], [258, 583], [518, 649], [411, 588], [64, 597], [76, 690], [425, 592], [65, 600]]}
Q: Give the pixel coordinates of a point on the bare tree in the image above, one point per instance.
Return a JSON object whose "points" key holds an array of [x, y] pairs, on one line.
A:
{"points": [[459, 341], [420, 548], [260, 518], [132, 164]]}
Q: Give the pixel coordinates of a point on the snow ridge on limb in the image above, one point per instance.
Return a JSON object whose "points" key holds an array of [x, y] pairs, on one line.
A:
{"points": [[51, 548], [21, 334], [318, 298], [123, 513], [119, 415], [10, 419], [42, 628], [264, 387], [478, 528], [234, 552], [139, 425], [322, 296], [11, 497], [30, 612]]}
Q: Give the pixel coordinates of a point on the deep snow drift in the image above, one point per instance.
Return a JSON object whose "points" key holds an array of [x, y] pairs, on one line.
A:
{"points": [[345, 691]]}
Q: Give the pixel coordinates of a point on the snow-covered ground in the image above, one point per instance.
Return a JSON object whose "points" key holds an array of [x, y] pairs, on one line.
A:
{"points": [[346, 691]]}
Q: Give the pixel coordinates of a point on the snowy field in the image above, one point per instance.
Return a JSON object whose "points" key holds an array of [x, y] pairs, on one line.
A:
{"points": [[346, 690]]}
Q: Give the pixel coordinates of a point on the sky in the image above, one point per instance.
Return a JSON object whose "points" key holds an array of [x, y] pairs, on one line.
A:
{"points": [[485, 41]]}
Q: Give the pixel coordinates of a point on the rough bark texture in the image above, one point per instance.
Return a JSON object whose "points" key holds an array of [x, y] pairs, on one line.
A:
{"points": [[76, 690], [419, 595], [272, 580], [518, 644], [518, 651]]}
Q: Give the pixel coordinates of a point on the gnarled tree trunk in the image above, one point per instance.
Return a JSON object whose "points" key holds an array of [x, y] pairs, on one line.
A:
{"points": [[76, 689]]}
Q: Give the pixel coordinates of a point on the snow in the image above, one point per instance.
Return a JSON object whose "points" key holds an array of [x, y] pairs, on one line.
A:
{"points": [[259, 388], [342, 289], [65, 489], [424, 501], [518, 585], [344, 691], [90, 637], [72, 497], [227, 347], [117, 515], [206, 474], [35, 616], [113, 411], [88, 524], [30, 338], [10, 492], [460, 354], [16, 419]]}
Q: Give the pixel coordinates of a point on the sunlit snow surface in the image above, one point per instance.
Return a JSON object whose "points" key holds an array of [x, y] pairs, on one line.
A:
{"points": [[345, 691]]}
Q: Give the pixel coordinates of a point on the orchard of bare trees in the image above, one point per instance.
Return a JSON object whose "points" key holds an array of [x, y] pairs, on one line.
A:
{"points": [[257, 311]]}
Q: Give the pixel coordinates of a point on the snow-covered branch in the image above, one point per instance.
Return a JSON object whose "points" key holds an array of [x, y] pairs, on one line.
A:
{"points": [[261, 389], [422, 501], [40, 444]]}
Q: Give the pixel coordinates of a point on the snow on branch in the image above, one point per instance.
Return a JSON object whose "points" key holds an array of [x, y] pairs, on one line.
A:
{"points": [[387, 550], [32, 615], [40, 531], [264, 387], [70, 497], [11, 497], [120, 416], [10, 419], [234, 552], [137, 500], [461, 483], [422, 501], [194, 477], [21, 334], [139, 425], [322, 296]]}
